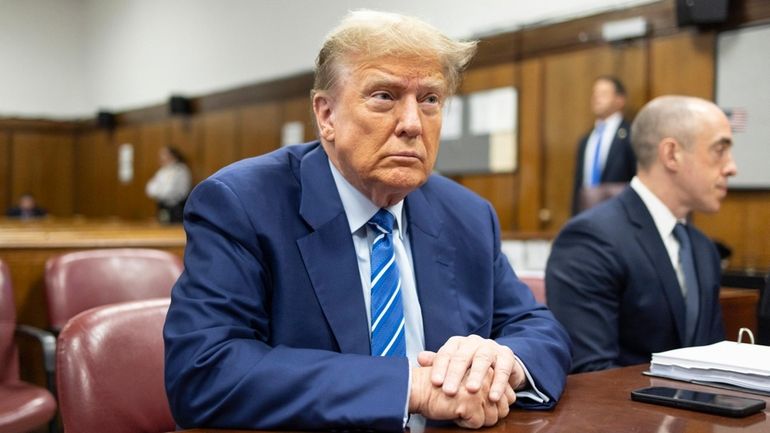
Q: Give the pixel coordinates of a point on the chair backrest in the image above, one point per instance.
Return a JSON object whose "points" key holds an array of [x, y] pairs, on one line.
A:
{"points": [[81, 280], [9, 359], [590, 197], [536, 284], [109, 369]]}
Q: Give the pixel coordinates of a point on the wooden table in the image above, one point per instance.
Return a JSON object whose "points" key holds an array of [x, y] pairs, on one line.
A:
{"points": [[600, 403]]}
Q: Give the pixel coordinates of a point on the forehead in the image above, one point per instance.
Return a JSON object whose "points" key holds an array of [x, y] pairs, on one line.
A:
{"points": [[603, 85], [404, 69]]}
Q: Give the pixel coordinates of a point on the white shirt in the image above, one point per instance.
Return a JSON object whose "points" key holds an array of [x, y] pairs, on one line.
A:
{"points": [[170, 184], [611, 125], [665, 221]]}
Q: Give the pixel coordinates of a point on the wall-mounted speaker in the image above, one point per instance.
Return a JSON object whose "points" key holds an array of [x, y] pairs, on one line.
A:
{"points": [[179, 105], [105, 120], [700, 12]]}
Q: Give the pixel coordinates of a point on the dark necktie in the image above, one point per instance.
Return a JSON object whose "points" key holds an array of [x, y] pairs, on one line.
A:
{"points": [[692, 293], [387, 309]]}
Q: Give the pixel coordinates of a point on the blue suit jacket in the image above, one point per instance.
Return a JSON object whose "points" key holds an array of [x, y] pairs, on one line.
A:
{"points": [[610, 281], [619, 167], [267, 326]]}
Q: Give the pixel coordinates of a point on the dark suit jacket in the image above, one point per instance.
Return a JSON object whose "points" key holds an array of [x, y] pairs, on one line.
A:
{"points": [[610, 281], [619, 167], [267, 327]]}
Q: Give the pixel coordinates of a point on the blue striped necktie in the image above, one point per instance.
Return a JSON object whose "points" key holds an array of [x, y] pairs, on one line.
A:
{"points": [[596, 166], [691, 291], [387, 310]]}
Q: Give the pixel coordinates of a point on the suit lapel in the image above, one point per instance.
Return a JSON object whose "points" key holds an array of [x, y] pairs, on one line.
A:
{"points": [[648, 237], [613, 157], [329, 256], [434, 268]]}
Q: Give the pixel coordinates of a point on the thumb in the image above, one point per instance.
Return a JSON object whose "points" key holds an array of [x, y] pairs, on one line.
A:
{"points": [[425, 358]]}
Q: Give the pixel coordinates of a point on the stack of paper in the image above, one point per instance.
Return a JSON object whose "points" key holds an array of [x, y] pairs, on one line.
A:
{"points": [[741, 365]]}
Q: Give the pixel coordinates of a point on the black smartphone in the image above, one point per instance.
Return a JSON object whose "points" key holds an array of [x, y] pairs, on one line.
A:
{"points": [[719, 404]]}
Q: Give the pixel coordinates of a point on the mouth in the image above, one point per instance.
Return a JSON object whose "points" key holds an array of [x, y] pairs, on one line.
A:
{"points": [[405, 156]]}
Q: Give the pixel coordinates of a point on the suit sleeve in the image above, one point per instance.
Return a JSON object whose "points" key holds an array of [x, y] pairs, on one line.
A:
{"points": [[222, 372], [582, 283], [529, 329]]}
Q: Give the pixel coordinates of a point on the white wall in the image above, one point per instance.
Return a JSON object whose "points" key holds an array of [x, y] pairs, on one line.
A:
{"points": [[42, 59], [134, 53]]}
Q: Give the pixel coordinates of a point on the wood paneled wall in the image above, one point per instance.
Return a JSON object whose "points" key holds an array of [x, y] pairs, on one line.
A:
{"points": [[41, 163], [552, 67]]}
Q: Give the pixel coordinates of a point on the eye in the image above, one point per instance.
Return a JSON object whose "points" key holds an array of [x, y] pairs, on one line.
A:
{"points": [[432, 99], [384, 96]]}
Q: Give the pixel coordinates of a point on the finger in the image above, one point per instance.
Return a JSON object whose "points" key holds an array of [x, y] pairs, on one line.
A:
{"points": [[510, 395], [472, 419], [425, 358], [504, 365], [459, 362], [483, 360], [502, 408], [491, 414], [441, 361]]}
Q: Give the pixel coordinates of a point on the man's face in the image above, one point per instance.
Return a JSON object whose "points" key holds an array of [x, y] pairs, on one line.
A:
{"points": [[708, 163], [381, 123], [604, 100]]}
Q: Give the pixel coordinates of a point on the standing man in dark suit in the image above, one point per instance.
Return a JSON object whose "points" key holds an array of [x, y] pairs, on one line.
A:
{"points": [[630, 276], [341, 285], [604, 154]]}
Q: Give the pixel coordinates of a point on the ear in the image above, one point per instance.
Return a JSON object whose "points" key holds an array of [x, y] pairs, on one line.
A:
{"points": [[670, 153], [323, 108]]}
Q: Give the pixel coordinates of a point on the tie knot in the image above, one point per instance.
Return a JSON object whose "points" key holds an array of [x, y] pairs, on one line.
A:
{"points": [[600, 127], [680, 233], [382, 221]]}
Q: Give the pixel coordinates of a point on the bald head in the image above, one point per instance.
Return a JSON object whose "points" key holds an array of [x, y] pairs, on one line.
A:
{"points": [[676, 117]]}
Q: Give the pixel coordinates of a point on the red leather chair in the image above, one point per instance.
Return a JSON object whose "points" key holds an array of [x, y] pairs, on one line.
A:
{"points": [[23, 406], [81, 280], [110, 370], [536, 284]]}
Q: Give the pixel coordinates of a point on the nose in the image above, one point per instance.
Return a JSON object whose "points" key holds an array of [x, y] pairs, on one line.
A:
{"points": [[409, 120], [730, 169]]}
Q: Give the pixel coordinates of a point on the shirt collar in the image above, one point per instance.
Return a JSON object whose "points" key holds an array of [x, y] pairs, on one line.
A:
{"points": [[611, 122], [662, 216], [359, 209]]}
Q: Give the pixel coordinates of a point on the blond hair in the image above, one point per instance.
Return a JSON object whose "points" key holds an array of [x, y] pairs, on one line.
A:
{"points": [[369, 35]]}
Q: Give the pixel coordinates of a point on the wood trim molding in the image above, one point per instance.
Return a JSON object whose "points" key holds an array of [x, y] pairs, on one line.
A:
{"points": [[527, 42]]}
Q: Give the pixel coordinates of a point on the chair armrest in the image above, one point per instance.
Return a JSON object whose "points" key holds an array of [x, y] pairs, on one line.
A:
{"points": [[48, 344]]}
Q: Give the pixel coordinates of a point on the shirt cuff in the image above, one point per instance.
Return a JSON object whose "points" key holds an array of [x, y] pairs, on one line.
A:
{"points": [[530, 390]]}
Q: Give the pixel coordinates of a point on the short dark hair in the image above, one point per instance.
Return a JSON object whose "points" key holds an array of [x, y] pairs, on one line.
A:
{"points": [[176, 154], [620, 89]]}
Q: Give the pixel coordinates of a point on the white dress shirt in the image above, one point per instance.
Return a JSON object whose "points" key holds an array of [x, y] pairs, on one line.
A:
{"points": [[170, 184], [665, 221]]}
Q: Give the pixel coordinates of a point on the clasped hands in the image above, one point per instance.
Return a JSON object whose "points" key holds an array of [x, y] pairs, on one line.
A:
{"points": [[470, 380]]}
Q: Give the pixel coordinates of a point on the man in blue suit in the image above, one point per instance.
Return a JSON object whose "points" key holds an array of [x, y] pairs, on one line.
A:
{"points": [[339, 284], [604, 154], [630, 276]]}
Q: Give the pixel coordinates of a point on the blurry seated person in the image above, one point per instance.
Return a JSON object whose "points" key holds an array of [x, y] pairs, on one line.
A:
{"points": [[26, 209], [630, 276], [339, 284], [170, 185]]}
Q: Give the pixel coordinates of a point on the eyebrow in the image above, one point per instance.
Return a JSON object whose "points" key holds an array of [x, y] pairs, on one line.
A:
{"points": [[723, 140], [435, 85]]}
